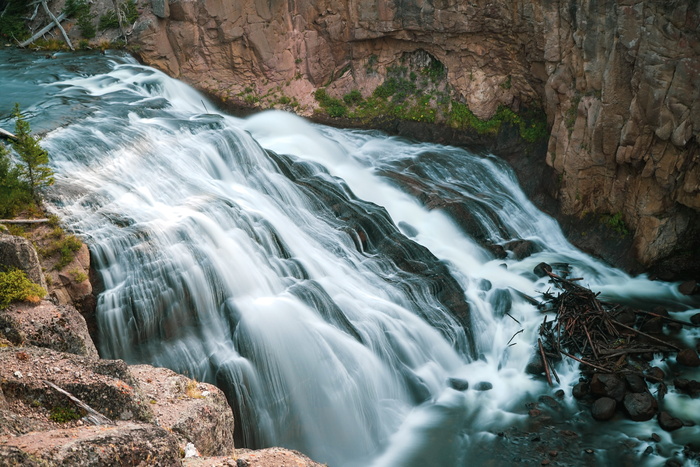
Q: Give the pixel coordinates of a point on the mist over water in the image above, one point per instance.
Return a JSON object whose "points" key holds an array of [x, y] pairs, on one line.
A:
{"points": [[317, 275]]}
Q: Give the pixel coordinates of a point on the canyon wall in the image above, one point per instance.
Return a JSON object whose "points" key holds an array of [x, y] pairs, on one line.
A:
{"points": [[619, 82]]}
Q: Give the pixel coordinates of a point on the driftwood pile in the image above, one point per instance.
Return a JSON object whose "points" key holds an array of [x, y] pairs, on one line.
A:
{"points": [[601, 336]]}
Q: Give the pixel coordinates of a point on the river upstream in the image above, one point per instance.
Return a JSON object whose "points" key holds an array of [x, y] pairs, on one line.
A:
{"points": [[316, 274]]}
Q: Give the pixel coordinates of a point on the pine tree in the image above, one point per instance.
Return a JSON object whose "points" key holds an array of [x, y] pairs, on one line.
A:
{"points": [[34, 168]]}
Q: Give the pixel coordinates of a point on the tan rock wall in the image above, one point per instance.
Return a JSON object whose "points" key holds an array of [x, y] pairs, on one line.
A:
{"points": [[618, 80]]}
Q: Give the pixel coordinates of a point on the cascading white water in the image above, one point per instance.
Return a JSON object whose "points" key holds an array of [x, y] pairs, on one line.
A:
{"points": [[284, 276]]}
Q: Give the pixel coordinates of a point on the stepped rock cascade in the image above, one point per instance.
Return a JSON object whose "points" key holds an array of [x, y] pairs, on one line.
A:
{"points": [[335, 283]]}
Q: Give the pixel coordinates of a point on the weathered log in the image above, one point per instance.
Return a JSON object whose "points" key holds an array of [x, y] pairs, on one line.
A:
{"points": [[7, 135], [58, 23], [43, 30], [93, 415], [23, 221]]}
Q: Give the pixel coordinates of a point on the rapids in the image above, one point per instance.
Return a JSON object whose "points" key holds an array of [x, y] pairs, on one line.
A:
{"points": [[319, 276]]}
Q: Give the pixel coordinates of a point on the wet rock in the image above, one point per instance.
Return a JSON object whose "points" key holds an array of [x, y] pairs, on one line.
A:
{"points": [[549, 402], [59, 328], [496, 250], [652, 325], [483, 386], [407, 229], [655, 374], [458, 384], [688, 357], [535, 366], [655, 438], [522, 248], [690, 387], [635, 383], [640, 406], [502, 301], [695, 319], [689, 288], [542, 269], [603, 408], [608, 385], [668, 422], [580, 390]]}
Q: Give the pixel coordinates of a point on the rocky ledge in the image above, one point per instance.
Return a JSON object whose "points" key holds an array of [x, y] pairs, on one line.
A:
{"points": [[60, 404]]}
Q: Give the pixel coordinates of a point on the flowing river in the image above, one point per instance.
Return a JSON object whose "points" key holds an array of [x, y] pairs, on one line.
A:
{"points": [[326, 279]]}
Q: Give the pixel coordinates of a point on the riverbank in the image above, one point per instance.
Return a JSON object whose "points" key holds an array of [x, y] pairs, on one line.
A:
{"points": [[110, 412]]}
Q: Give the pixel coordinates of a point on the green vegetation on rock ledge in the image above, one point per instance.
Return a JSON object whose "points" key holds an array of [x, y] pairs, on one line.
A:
{"points": [[64, 414], [16, 287], [423, 96]]}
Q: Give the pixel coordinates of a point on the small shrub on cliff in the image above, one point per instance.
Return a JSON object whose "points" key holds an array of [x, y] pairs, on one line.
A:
{"points": [[63, 414], [80, 10], [335, 107], [16, 287], [66, 247], [127, 11]]}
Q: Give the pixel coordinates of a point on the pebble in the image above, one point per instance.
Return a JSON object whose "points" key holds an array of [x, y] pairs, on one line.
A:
{"points": [[18, 374]]}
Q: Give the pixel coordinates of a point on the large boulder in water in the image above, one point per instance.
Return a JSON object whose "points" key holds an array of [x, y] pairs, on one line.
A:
{"points": [[603, 408], [640, 406], [608, 385]]}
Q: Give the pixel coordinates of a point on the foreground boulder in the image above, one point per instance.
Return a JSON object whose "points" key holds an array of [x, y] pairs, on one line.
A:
{"points": [[194, 412], [59, 328], [125, 443]]}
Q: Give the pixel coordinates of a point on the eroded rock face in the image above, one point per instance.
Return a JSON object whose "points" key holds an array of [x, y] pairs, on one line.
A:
{"points": [[194, 412], [618, 80], [57, 327]]}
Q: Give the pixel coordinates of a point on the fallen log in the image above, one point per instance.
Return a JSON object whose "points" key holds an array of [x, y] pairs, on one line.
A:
{"points": [[23, 221], [43, 30], [93, 415], [7, 135]]}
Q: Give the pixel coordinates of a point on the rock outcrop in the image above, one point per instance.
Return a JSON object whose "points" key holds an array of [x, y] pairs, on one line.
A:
{"points": [[17, 252], [618, 81], [154, 416]]}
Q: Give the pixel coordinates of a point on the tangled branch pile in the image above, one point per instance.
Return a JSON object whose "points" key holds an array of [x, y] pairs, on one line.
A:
{"points": [[598, 334]]}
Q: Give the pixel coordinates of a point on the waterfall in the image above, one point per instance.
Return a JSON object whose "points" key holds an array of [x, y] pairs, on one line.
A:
{"points": [[331, 281]]}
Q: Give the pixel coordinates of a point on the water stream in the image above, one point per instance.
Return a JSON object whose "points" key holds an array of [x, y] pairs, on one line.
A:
{"points": [[324, 278]]}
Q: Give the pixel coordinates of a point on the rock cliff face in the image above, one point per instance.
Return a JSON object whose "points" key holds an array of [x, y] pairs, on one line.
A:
{"points": [[618, 80]]}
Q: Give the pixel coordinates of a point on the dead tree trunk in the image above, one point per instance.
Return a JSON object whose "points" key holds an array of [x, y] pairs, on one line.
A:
{"points": [[44, 30], [58, 23]]}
